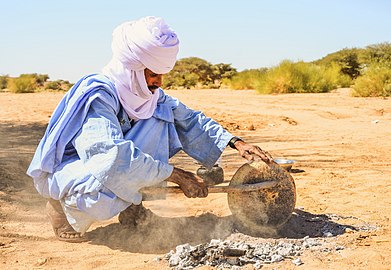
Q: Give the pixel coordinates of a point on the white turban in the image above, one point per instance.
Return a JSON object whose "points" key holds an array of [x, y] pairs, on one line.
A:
{"points": [[145, 43]]}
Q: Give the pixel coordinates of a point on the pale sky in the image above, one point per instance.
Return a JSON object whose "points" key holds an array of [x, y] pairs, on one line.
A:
{"points": [[69, 39]]}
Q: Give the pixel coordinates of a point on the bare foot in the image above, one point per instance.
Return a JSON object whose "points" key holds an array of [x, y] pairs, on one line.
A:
{"points": [[62, 229], [135, 215]]}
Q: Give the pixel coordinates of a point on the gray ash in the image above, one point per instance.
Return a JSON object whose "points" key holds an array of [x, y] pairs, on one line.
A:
{"points": [[238, 249]]}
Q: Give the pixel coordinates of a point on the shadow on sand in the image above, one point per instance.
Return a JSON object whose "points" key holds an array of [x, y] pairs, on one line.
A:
{"points": [[161, 234]]}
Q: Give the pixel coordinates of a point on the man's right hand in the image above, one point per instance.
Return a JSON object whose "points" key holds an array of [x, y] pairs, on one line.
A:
{"points": [[191, 185]]}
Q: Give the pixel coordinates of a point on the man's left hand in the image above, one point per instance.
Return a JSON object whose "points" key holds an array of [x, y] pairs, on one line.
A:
{"points": [[249, 151]]}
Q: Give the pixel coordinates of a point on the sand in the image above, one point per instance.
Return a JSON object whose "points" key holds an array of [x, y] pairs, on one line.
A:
{"points": [[341, 145]]}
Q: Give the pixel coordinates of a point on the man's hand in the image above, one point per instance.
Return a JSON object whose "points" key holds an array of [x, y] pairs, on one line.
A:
{"points": [[249, 151], [191, 185]]}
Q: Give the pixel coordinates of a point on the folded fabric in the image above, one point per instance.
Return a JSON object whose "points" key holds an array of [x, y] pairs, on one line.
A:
{"points": [[63, 124]]}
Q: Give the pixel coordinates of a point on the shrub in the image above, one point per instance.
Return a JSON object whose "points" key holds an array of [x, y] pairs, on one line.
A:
{"points": [[333, 74], [195, 72], [55, 85], [378, 54], [222, 72], [3, 82], [60, 85], [350, 61], [246, 79], [189, 80], [23, 84], [376, 81], [301, 77], [40, 79], [66, 85], [187, 72], [350, 65]]}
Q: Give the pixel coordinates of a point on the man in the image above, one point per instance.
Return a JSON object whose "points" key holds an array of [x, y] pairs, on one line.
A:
{"points": [[113, 134]]}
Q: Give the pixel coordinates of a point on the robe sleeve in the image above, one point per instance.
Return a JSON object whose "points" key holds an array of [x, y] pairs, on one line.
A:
{"points": [[202, 137], [115, 162]]}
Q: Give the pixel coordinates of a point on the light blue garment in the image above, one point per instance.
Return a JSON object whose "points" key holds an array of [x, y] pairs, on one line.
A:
{"points": [[94, 159], [70, 113]]}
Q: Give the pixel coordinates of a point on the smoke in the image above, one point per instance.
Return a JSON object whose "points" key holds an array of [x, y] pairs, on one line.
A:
{"points": [[161, 234]]}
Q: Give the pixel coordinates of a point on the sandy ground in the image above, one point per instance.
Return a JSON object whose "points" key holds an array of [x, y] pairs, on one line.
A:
{"points": [[342, 150]]}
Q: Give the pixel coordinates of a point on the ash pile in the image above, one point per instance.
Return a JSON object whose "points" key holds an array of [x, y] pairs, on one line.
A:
{"points": [[229, 254], [303, 232]]}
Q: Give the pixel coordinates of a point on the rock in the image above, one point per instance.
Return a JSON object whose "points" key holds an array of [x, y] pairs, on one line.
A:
{"points": [[250, 127], [174, 260], [183, 248], [297, 262], [258, 265], [310, 242], [214, 243], [232, 260], [276, 258], [41, 262], [244, 247], [169, 254]]}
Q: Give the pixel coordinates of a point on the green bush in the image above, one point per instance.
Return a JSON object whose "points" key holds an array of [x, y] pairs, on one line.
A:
{"points": [[55, 85], [66, 85], [349, 61], [3, 82], [378, 54], [187, 72], [335, 76], [194, 72], [23, 84], [376, 81], [301, 77], [246, 79], [350, 65], [40, 79], [58, 85], [222, 72]]}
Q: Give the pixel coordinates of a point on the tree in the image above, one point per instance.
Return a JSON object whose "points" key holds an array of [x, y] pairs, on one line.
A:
{"points": [[189, 72], [3, 81], [194, 72], [379, 54], [350, 65], [349, 61], [222, 71]]}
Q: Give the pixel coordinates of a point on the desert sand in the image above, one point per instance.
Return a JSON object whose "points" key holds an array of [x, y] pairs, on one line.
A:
{"points": [[341, 145]]}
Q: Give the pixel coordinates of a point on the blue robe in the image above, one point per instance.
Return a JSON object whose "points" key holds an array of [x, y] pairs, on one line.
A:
{"points": [[94, 159]]}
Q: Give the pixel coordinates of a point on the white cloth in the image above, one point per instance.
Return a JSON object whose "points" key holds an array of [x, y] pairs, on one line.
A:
{"points": [[145, 43]]}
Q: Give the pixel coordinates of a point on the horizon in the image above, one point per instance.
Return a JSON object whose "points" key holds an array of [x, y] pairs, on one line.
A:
{"points": [[67, 43]]}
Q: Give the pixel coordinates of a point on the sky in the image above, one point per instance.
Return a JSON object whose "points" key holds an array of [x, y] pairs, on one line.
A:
{"points": [[69, 39]]}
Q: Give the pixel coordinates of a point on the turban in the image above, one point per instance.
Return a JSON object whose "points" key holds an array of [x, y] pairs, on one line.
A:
{"points": [[146, 43]]}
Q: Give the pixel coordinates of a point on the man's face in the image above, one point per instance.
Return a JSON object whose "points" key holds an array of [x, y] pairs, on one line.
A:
{"points": [[154, 81]]}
